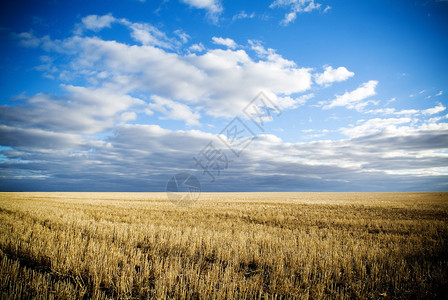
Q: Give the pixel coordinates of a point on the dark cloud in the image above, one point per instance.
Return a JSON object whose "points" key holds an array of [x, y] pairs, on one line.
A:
{"points": [[144, 157]]}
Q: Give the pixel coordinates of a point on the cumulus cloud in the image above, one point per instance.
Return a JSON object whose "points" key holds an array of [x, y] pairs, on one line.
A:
{"points": [[95, 22], [84, 139], [143, 33], [213, 7], [149, 35], [197, 47], [353, 99], [292, 103], [295, 7], [331, 75], [435, 110], [221, 82], [128, 116], [174, 110], [225, 42], [81, 110], [374, 126]]}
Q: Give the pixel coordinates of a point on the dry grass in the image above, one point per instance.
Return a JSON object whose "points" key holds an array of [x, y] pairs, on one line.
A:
{"points": [[226, 246]]}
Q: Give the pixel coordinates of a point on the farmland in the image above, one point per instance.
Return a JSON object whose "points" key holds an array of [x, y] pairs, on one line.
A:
{"points": [[225, 246]]}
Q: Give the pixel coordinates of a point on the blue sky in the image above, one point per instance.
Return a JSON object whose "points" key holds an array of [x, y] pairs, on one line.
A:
{"points": [[279, 95]]}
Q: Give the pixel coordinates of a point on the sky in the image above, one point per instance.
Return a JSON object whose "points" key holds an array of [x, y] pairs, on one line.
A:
{"points": [[277, 95]]}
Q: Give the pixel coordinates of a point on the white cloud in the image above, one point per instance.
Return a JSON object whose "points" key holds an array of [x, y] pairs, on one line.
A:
{"points": [[360, 107], [149, 35], [184, 37], [213, 7], [292, 103], [96, 23], [331, 75], [295, 7], [243, 15], [81, 110], [140, 32], [435, 110], [410, 112], [53, 135], [269, 54], [225, 42], [393, 99], [128, 116], [28, 39], [439, 93], [406, 112], [373, 126], [221, 82], [197, 47], [259, 49], [290, 17], [174, 110], [353, 98]]}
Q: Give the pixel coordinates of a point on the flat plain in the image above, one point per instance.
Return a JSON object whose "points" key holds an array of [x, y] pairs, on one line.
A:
{"points": [[225, 246]]}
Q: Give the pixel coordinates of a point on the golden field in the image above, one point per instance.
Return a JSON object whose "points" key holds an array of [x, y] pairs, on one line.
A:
{"points": [[225, 246]]}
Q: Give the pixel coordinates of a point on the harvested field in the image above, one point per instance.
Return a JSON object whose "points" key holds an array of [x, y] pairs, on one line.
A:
{"points": [[225, 246]]}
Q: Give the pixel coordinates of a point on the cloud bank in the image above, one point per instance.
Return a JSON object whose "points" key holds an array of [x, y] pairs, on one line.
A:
{"points": [[102, 133]]}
